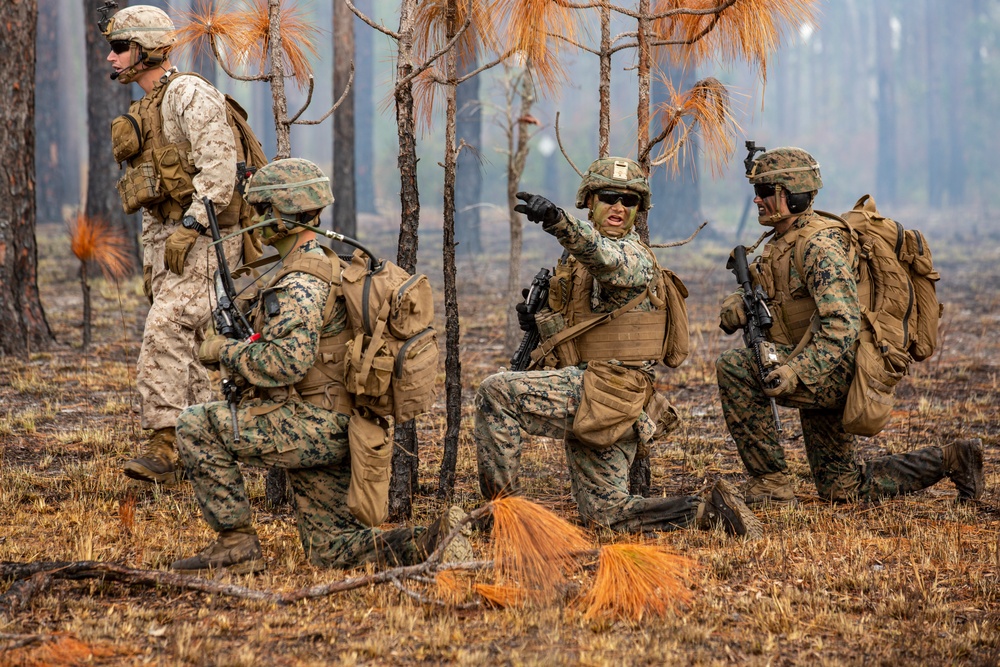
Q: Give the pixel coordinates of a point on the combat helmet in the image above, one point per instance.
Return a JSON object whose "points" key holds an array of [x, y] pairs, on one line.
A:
{"points": [[618, 173], [294, 188], [795, 170], [147, 26]]}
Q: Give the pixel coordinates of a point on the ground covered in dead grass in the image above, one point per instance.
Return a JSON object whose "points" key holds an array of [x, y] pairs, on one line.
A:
{"points": [[909, 581]]}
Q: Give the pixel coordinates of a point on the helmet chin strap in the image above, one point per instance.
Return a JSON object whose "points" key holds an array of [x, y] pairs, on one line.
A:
{"points": [[777, 217]]}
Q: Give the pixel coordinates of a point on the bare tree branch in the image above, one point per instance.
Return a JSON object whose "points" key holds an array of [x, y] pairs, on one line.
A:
{"points": [[443, 50], [674, 244], [381, 28], [336, 105], [225, 68], [563, 148]]}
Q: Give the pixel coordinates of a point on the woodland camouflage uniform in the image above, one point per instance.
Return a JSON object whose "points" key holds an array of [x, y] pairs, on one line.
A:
{"points": [[545, 402], [192, 114], [824, 368], [277, 427]]}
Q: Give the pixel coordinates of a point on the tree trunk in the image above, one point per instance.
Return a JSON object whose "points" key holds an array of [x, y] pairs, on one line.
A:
{"points": [[106, 99], [642, 109], [405, 458], [85, 286], [364, 108], [452, 364], [344, 211], [518, 135], [276, 77], [885, 169], [469, 177], [23, 327], [50, 149], [604, 86], [934, 75]]}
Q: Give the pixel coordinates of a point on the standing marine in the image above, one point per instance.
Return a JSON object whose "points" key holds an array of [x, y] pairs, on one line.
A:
{"points": [[817, 324], [296, 411], [178, 147], [595, 390]]}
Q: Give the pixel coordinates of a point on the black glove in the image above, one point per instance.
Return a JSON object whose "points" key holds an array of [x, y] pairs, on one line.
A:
{"points": [[525, 320], [538, 209]]}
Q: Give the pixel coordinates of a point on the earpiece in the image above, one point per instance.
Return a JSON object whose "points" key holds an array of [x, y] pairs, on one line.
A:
{"points": [[798, 201]]}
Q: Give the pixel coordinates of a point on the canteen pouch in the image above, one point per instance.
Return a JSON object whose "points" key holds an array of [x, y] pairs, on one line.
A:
{"points": [[612, 400], [872, 394], [370, 441], [126, 137]]}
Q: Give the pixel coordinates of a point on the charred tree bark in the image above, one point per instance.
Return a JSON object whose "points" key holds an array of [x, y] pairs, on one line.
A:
{"points": [[405, 457], [344, 210], [452, 364], [364, 113], [642, 110], [105, 100], [50, 149], [23, 326], [518, 135]]}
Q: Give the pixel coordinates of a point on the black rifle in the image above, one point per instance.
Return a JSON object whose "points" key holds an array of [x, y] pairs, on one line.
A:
{"points": [[230, 321], [538, 297], [759, 321]]}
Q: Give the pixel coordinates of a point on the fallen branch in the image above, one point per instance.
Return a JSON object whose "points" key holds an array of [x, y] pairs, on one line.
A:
{"points": [[20, 592], [20, 641]]}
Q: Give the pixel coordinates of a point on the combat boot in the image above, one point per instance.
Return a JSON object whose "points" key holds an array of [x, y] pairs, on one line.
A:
{"points": [[158, 462], [459, 549], [722, 505], [962, 461], [774, 488], [238, 551]]}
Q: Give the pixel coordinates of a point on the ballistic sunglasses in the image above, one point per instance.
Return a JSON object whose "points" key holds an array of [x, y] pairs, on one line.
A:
{"points": [[764, 190], [120, 46], [612, 197]]}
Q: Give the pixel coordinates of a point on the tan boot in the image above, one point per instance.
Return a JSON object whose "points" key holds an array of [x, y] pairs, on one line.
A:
{"points": [[459, 549], [774, 488], [963, 463], [723, 506], [158, 462], [238, 551]]}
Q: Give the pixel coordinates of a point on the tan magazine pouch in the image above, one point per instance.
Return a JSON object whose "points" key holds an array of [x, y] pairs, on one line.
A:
{"points": [[140, 186], [612, 399], [126, 137], [370, 440], [872, 393]]}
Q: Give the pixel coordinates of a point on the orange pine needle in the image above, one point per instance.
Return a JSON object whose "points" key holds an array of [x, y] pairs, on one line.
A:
{"points": [[637, 579], [533, 546], [501, 596], [450, 587], [208, 21], [94, 240], [704, 109]]}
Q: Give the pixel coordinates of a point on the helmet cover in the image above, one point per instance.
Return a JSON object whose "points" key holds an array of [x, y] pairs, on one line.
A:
{"points": [[792, 168], [148, 26], [616, 173]]}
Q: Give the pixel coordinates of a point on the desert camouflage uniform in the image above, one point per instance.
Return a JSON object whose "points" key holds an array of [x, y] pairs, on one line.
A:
{"points": [[825, 368], [545, 403], [306, 440], [169, 376]]}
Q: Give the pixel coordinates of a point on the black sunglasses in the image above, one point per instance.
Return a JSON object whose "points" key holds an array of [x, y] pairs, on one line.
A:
{"points": [[612, 197], [120, 46], [764, 190]]}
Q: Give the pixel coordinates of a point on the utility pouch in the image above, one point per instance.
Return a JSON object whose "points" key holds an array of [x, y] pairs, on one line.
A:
{"points": [[139, 187], [872, 393], [126, 137], [612, 400], [549, 324], [175, 171], [370, 441]]}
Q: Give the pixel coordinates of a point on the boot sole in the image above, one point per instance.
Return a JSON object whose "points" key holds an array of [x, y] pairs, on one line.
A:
{"points": [[244, 567], [978, 481], [144, 475], [740, 520]]}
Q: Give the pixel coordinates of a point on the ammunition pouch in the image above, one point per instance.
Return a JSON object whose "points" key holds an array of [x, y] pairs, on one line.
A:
{"points": [[612, 399], [370, 441]]}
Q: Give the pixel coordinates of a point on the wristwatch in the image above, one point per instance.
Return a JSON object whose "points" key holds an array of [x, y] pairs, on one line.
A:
{"points": [[191, 222]]}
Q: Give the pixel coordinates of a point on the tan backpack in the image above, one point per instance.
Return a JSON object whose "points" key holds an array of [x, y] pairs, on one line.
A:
{"points": [[392, 360], [899, 308]]}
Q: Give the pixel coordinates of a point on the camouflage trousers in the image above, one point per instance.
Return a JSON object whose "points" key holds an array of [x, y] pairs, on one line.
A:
{"points": [[310, 443], [831, 451], [544, 403], [169, 376]]}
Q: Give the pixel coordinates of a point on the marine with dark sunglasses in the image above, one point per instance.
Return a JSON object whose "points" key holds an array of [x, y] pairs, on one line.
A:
{"points": [[177, 147], [817, 323], [606, 269]]}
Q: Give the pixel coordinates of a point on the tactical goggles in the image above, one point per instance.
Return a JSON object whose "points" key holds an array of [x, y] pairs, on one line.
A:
{"points": [[764, 190], [612, 197], [120, 46]]}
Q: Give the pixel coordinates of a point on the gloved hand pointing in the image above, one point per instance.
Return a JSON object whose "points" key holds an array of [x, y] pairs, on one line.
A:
{"points": [[538, 209]]}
